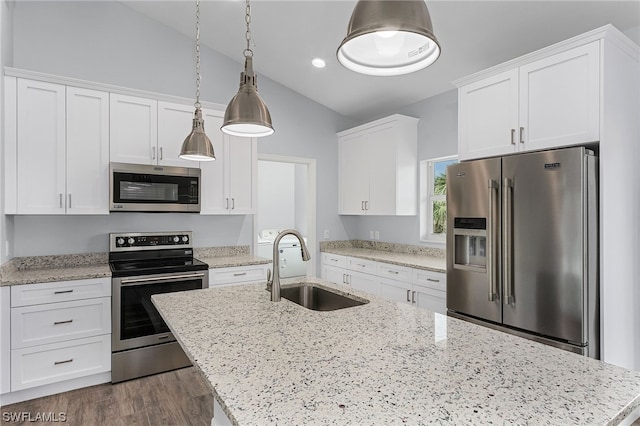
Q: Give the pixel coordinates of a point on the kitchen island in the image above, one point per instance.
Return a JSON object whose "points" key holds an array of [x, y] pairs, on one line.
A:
{"points": [[383, 363]]}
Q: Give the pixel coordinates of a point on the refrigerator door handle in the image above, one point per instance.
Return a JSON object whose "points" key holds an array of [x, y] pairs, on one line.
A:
{"points": [[491, 261], [507, 261]]}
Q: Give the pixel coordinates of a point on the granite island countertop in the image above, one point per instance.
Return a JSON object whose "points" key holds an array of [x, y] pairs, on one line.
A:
{"points": [[383, 363], [426, 258]]}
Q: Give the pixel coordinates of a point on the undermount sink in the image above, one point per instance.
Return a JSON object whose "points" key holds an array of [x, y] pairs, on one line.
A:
{"points": [[319, 298]]}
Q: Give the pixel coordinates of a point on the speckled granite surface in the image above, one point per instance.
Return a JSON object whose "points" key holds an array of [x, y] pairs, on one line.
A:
{"points": [[383, 363], [427, 258], [42, 269]]}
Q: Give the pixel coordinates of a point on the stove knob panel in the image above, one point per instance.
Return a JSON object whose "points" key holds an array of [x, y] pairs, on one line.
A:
{"points": [[176, 239], [131, 241], [120, 241], [185, 238]]}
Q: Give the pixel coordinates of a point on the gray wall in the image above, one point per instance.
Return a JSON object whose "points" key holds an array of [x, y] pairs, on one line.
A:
{"points": [[437, 137], [109, 43]]}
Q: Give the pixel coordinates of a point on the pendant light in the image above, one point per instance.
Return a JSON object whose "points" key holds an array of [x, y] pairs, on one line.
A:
{"points": [[389, 37], [247, 115], [197, 146]]}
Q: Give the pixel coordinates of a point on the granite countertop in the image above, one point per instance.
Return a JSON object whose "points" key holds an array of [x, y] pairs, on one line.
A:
{"points": [[383, 363], [427, 258], [42, 269]]}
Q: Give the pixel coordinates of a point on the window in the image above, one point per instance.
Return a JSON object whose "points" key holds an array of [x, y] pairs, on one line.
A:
{"points": [[433, 198]]}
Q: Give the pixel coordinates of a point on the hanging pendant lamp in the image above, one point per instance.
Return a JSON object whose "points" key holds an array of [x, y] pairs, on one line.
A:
{"points": [[389, 37], [197, 146], [247, 115]]}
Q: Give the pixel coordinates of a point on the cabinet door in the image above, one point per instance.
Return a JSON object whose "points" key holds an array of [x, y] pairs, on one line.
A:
{"points": [[429, 299], [87, 151], [214, 181], [333, 275], [241, 167], [175, 122], [354, 173], [396, 291], [488, 117], [41, 148], [382, 171], [5, 339], [364, 282], [134, 129], [560, 99]]}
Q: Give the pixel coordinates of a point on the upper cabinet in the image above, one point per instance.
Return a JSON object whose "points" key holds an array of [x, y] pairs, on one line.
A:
{"points": [[57, 149], [147, 131], [229, 183], [548, 102], [378, 167]]}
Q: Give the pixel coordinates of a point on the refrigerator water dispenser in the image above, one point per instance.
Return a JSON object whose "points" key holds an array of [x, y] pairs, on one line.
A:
{"points": [[470, 240]]}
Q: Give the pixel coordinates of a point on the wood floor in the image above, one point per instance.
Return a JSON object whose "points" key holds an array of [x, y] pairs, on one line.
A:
{"points": [[177, 397]]}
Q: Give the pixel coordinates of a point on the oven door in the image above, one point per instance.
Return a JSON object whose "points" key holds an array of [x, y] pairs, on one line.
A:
{"points": [[136, 321]]}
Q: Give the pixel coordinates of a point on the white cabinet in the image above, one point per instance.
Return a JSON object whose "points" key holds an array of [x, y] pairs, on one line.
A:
{"points": [[545, 103], [418, 287], [229, 183], [134, 129], [232, 275], [59, 331], [175, 122], [5, 339], [60, 148], [378, 167]]}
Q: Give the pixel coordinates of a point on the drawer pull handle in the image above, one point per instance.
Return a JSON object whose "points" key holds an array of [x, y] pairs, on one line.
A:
{"points": [[432, 280], [63, 291], [66, 361], [393, 272], [163, 337], [239, 274], [333, 260], [360, 264], [63, 322]]}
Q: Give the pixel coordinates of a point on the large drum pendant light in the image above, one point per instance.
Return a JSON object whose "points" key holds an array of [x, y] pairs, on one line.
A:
{"points": [[197, 146], [247, 114], [389, 37]]}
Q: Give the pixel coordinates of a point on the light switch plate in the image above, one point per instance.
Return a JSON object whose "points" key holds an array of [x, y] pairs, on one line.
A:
{"points": [[371, 235], [376, 235], [326, 234]]}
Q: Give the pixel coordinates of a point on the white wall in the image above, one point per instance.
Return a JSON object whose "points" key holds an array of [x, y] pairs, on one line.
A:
{"points": [[109, 43], [437, 137], [276, 195]]}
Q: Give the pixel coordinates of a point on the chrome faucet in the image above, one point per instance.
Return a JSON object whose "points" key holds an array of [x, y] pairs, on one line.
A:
{"points": [[275, 278]]}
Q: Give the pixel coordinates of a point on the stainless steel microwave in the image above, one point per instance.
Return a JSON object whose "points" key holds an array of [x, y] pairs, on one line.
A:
{"points": [[148, 188]]}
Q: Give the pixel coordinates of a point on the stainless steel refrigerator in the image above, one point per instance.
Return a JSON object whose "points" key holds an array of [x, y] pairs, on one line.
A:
{"points": [[522, 246]]}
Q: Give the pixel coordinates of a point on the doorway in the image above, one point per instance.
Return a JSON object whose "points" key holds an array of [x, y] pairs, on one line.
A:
{"points": [[287, 199]]}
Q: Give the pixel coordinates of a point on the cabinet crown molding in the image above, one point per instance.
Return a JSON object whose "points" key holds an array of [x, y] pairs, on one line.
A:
{"points": [[394, 117]]}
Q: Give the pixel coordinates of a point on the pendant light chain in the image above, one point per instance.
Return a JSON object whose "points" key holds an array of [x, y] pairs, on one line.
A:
{"points": [[248, 53], [197, 104]]}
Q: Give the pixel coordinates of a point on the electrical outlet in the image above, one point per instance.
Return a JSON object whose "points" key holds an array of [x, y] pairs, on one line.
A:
{"points": [[371, 235], [377, 235], [326, 234]]}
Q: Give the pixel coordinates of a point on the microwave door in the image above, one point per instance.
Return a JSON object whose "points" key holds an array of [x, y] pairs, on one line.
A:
{"points": [[473, 239]]}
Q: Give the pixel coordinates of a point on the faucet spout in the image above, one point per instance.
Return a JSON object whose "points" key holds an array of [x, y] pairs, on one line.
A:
{"points": [[275, 277]]}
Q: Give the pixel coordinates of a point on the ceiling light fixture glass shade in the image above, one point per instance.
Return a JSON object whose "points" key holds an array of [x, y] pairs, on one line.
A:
{"points": [[197, 146], [247, 115], [389, 37]]}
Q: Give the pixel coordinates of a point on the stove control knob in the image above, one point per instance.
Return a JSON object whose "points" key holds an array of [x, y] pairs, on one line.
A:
{"points": [[131, 241], [185, 238], [120, 241], [176, 239]]}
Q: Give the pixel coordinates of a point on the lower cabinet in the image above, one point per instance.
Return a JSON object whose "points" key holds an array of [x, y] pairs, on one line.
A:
{"points": [[421, 288], [59, 331], [220, 277]]}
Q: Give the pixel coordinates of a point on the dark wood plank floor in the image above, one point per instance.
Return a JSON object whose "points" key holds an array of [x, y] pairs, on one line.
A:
{"points": [[178, 397]]}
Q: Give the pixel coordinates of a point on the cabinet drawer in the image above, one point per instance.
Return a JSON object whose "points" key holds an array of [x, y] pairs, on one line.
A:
{"points": [[394, 272], [41, 365], [57, 322], [62, 291], [362, 265], [234, 275], [336, 260], [433, 280]]}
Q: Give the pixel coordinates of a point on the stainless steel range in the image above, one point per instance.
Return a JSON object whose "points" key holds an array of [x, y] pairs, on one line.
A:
{"points": [[144, 264]]}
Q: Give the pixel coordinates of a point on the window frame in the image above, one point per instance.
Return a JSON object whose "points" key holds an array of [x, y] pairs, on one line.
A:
{"points": [[427, 198]]}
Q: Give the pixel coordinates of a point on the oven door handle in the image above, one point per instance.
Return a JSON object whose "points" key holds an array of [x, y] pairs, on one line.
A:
{"points": [[156, 279]]}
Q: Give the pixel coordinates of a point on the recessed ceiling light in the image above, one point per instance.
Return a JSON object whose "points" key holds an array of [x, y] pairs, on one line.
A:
{"points": [[318, 63]]}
